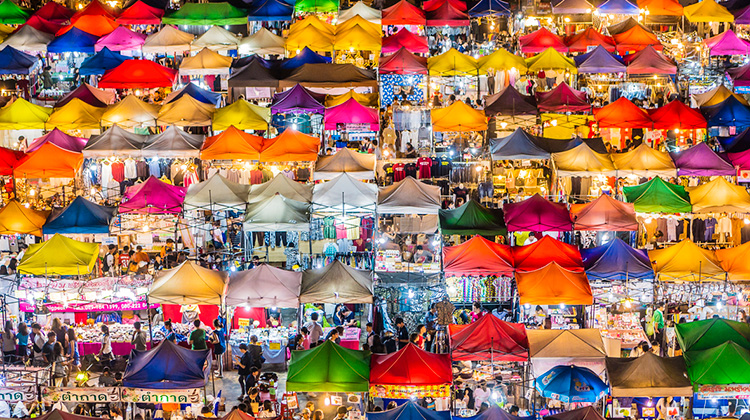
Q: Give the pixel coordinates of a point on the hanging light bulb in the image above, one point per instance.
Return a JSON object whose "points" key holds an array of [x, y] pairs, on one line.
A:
{"points": [[327, 400]]}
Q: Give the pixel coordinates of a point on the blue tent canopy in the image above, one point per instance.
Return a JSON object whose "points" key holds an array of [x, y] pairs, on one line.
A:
{"points": [[271, 10], [197, 93], [409, 411], [490, 8], [13, 61], [617, 260], [599, 60], [306, 56], [738, 143], [730, 112], [81, 216], [571, 384], [494, 413], [168, 366], [519, 145], [100, 62], [241, 62], [75, 40], [619, 7]]}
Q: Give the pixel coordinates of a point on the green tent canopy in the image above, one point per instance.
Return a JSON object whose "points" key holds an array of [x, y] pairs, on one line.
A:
{"points": [[12, 14], [329, 368], [59, 256], [658, 196], [707, 334], [316, 6], [472, 219], [204, 14], [727, 363]]}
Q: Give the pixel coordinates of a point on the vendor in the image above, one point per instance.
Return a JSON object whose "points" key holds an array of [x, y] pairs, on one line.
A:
{"points": [[344, 317]]}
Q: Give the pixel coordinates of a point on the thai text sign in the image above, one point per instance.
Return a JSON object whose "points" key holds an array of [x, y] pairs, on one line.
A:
{"points": [[52, 394], [13, 394], [155, 396]]}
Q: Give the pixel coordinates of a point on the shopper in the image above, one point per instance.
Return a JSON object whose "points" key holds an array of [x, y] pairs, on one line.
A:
{"points": [[402, 334], [22, 337], [105, 353], [197, 339], [139, 337], [218, 338], [9, 343], [316, 331], [244, 362]]}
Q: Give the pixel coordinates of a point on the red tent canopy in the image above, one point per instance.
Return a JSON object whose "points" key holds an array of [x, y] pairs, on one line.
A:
{"points": [[541, 39], [403, 38], [489, 339], [446, 14], [54, 12], [542, 252], [636, 39], [622, 114], [411, 366], [9, 160], [403, 62], [140, 13], [581, 41], [43, 25], [562, 98], [677, 115], [138, 74], [431, 5], [95, 8], [478, 256], [403, 13]]}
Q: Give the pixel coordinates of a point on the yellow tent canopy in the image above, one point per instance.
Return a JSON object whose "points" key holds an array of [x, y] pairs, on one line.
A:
{"points": [[502, 59], [130, 112], [719, 196], [583, 161], [550, 59], [644, 161], [686, 261], [357, 39], [310, 37], [366, 99], [372, 28], [563, 126], [243, 115], [16, 219], [207, 61], [717, 95], [76, 115], [736, 262], [60, 256], [453, 63], [186, 112], [707, 11], [188, 284], [312, 20], [458, 117], [23, 115]]}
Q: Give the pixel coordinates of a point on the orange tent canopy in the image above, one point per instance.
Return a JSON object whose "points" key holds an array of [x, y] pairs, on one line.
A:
{"points": [[604, 214], [735, 261], [15, 218], [548, 249], [232, 143], [478, 256], [661, 7], [636, 39], [289, 146], [49, 161], [622, 114], [554, 285], [93, 24]]}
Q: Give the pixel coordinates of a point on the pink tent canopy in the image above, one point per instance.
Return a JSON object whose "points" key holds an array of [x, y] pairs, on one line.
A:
{"points": [[740, 160], [59, 139], [153, 197], [352, 112], [740, 75], [727, 43], [121, 39], [537, 214]]}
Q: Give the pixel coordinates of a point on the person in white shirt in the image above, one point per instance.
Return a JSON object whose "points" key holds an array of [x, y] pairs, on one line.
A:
{"points": [[316, 331], [481, 395]]}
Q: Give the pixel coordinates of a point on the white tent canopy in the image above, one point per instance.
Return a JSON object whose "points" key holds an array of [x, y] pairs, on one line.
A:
{"points": [[217, 39], [28, 39], [264, 286], [217, 192], [205, 62], [283, 186], [336, 283], [277, 213], [262, 42], [169, 39], [409, 196], [345, 194], [358, 165], [363, 10]]}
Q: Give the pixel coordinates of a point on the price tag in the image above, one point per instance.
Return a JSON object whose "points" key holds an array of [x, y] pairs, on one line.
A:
{"points": [[243, 322], [274, 346]]}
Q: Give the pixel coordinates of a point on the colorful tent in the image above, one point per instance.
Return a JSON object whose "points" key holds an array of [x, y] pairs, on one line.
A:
{"points": [[485, 8], [458, 117], [636, 39], [216, 38], [742, 16], [200, 94], [75, 40], [88, 94], [572, 7], [648, 375], [138, 74], [296, 100], [719, 196], [80, 216], [625, 25], [366, 99], [264, 286], [75, 115], [331, 75], [243, 115], [700, 160], [403, 13], [583, 41], [96, 25], [204, 14], [309, 37], [8, 160], [618, 7], [740, 75], [335, 283], [547, 249], [478, 256], [736, 262], [622, 114], [583, 346], [271, 11], [43, 25], [604, 214], [616, 260], [730, 112], [115, 141], [411, 367], [541, 40], [290, 146], [509, 102], [173, 142], [716, 95], [501, 59], [17, 219], [186, 112], [495, 413], [582, 161], [167, 366], [54, 12], [188, 284], [13, 61], [153, 197], [130, 112], [562, 99], [262, 42], [59, 256], [232, 143], [518, 145], [402, 62], [94, 8], [709, 333], [12, 14], [452, 63], [367, 27], [316, 6], [345, 194], [489, 339], [658, 196], [447, 14], [649, 61], [256, 73], [676, 115], [537, 214], [707, 11], [551, 59], [553, 285], [599, 60], [737, 144], [140, 13], [101, 62], [205, 62], [661, 7], [359, 165], [23, 115], [49, 161], [121, 39], [28, 38], [362, 10], [571, 384], [277, 213], [217, 193], [329, 368], [724, 364], [281, 185], [472, 219], [315, 22], [585, 413], [410, 411], [409, 196], [305, 56], [727, 43], [686, 261], [168, 40], [352, 112]]}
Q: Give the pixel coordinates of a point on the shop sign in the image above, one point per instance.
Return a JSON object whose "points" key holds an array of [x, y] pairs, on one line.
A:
{"points": [[725, 391], [156, 396], [52, 394], [90, 307], [409, 391], [13, 394]]}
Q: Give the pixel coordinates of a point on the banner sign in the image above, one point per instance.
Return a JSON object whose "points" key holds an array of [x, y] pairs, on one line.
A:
{"points": [[723, 391], [81, 395], [155, 396], [89, 307], [15, 394]]}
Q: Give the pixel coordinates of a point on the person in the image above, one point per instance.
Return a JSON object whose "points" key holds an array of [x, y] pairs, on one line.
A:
{"points": [[481, 394], [244, 361], [207, 413], [377, 345], [341, 412], [142, 260], [391, 405], [218, 338], [513, 411], [476, 311], [411, 152], [430, 323], [169, 335], [422, 256], [402, 334], [72, 351], [256, 352], [306, 414], [115, 413], [370, 335], [59, 369], [305, 338], [334, 336], [9, 343], [641, 349], [413, 338], [659, 327], [421, 331], [344, 316], [316, 331], [22, 337], [253, 401], [318, 415], [197, 339], [59, 330], [138, 340], [217, 236], [110, 261], [124, 260], [298, 343], [105, 353], [48, 350], [37, 344], [106, 379], [267, 411]]}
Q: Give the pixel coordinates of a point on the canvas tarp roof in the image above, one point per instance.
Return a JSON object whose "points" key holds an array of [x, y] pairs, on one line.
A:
{"points": [[709, 333], [217, 192], [359, 165], [309, 37], [283, 186], [458, 117], [316, 6], [76, 115], [60, 139], [140, 13], [649, 61], [472, 218], [599, 60], [648, 375], [89, 94], [548, 249], [730, 112], [49, 161], [13, 61], [243, 115], [205, 62], [707, 11], [346, 194], [658, 196], [404, 39], [582, 41], [43, 25], [738, 143], [485, 8], [562, 99], [453, 63], [701, 160], [509, 102], [116, 141], [94, 8], [644, 161], [101, 62], [264, 286], [256, 73], [409, 196], [290, 146], [351, 112], [584, 413], [153, 197], [277, 213], [411, 366], [203, 14], [216, 38], [617, 260], [9, 158], [297, 100], [719, 196], [554, 285], [232, 143], [541, 40], [736, 262], [636, 38], [740, 75], [121, 39], [409, 411], [366, 99], [727, 363], [495, 413], [478, 256], [336, 283], [537, 214], [362, 10], [580, 343], [54, 12], [604, 214], [447, 14], [188, 284], [489, 339], [518, 145], [173, 142], [551, 59], [661, 7], [727, 43], [356, 38], [262, 42], [186, 112], [676, 115], [330, 75], [403, 13], [17, 219], [96, 25], [622, 114], [167, 366], [501, 59], [618, 7], [23, 115], [402, 62], [138, 74], [168, 39], [716, 95], [329, 368], [75, 40], [59, 256], [686, 261], [28, 38], [582, 161], [80, 216]]}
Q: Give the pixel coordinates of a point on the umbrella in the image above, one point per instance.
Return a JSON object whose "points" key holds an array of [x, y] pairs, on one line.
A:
{"points": [[571, 384]]}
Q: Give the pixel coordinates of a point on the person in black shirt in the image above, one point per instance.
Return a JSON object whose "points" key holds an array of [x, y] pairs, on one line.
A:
{"points": [[402, 334], [48, 350], [256, 353], [245, 362]]}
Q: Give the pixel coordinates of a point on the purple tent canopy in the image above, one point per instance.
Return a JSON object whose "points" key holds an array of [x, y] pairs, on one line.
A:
{"points": [[153, 197], [562, 98], [599, 60], [742, 16], [168, 366], [95, 97], [740, 75], [59, 139], [700, 160], [121, 39], [727, 43], [297, 100], [538, 215]]}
